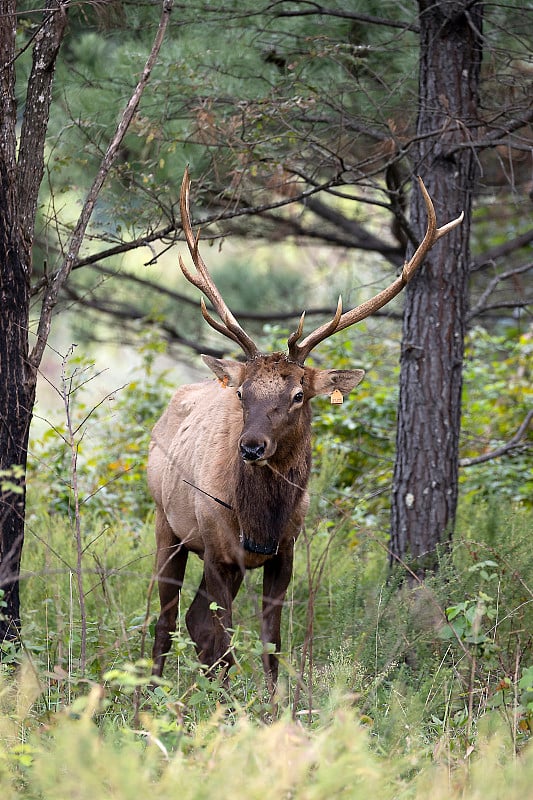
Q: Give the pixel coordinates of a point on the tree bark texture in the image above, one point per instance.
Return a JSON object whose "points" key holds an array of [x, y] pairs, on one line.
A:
{"points": [[20, 179], [15, 404], [425, 483]]}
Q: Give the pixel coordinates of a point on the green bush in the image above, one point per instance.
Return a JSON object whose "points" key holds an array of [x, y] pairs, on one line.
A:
{"points": [[498, 393]]}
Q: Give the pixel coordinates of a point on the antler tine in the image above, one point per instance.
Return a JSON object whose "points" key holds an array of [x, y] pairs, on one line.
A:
{"points": [[221, 328], [300, 352], [296, 350], [295, 335], [229, 326]]}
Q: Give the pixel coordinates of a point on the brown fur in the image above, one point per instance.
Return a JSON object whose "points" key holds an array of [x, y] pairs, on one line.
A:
{"points": [[199, 440]]}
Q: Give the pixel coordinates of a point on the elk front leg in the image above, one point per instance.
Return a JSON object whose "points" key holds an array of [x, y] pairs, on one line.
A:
{"points": [[171, 561], [209, 627], [276, 577]]}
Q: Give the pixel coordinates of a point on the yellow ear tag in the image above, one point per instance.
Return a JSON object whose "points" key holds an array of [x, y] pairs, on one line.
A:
{"points": [[224, 382], [336, 398]]}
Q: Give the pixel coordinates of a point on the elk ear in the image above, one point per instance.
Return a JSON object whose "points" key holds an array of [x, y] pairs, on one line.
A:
{"points": [[230, 372], [325, 381]]}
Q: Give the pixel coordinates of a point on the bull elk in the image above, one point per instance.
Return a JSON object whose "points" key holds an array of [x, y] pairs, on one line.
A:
{"points": [[229, 465]]}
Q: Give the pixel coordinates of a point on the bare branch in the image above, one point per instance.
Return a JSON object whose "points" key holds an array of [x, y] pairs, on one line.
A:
{"points": [[360, 237], [502, 304], [512, 444], [487, 258], [315, 9], [168, 232], [253, 316], [299, 352], [481, 304], [54, 287], [129, 315], [495, 136]]}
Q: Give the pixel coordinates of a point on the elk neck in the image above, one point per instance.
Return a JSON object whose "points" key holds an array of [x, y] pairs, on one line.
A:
{"points": [[268, 497]]}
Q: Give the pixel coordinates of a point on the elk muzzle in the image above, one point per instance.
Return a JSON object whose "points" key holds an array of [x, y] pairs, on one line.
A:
{"points": [[256, 448], [252, 453]]}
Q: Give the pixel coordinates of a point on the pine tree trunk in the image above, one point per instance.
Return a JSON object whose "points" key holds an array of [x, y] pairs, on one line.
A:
{"points": [[17, 384], [425, 485], [20, 179], [17, 394]]}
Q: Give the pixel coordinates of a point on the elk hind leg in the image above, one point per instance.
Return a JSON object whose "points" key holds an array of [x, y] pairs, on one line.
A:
{"points": [[209, 628], [171, 561]]}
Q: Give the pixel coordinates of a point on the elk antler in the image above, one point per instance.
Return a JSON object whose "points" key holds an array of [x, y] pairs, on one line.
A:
{"points": [[203, 281], [299, 352]]}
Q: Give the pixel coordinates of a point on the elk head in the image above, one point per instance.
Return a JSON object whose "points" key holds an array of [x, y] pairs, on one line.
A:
{"points": [[274, 389]]}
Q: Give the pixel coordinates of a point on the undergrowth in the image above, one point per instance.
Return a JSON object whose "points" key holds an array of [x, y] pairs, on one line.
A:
{"points": [[396, 690], [420, 668], [72, 756]]}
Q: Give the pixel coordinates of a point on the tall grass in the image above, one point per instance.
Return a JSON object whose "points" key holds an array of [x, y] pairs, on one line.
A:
{"points": [[434, 660], [71, 757]]}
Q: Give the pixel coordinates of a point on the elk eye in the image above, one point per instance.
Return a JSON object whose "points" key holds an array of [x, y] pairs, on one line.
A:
{"points": [[298, 397], [239, 394]]}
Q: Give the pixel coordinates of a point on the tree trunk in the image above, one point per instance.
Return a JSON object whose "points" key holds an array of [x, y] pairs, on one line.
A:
{"points": [[16, 392], [425, 485], [19, 187], [20, 180]]}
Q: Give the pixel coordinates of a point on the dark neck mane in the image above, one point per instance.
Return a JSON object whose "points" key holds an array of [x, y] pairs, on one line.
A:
{"points": [[266, 497]]}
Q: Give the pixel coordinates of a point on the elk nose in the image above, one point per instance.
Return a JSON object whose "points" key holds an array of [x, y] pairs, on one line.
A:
{"points": [[252, 452]]}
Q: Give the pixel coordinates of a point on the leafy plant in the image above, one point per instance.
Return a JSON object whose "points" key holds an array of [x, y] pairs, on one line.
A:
{"points": [[111, 455]]}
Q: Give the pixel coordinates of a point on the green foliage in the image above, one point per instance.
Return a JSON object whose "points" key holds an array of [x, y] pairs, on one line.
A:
{"points": [[498, 394], [361, 431], [269, 286], [74, 757], [441, 659], [497, 397], [117, 564], [237, 116], [281, 68], [10, 479], [113, 436], [394, 685]]}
